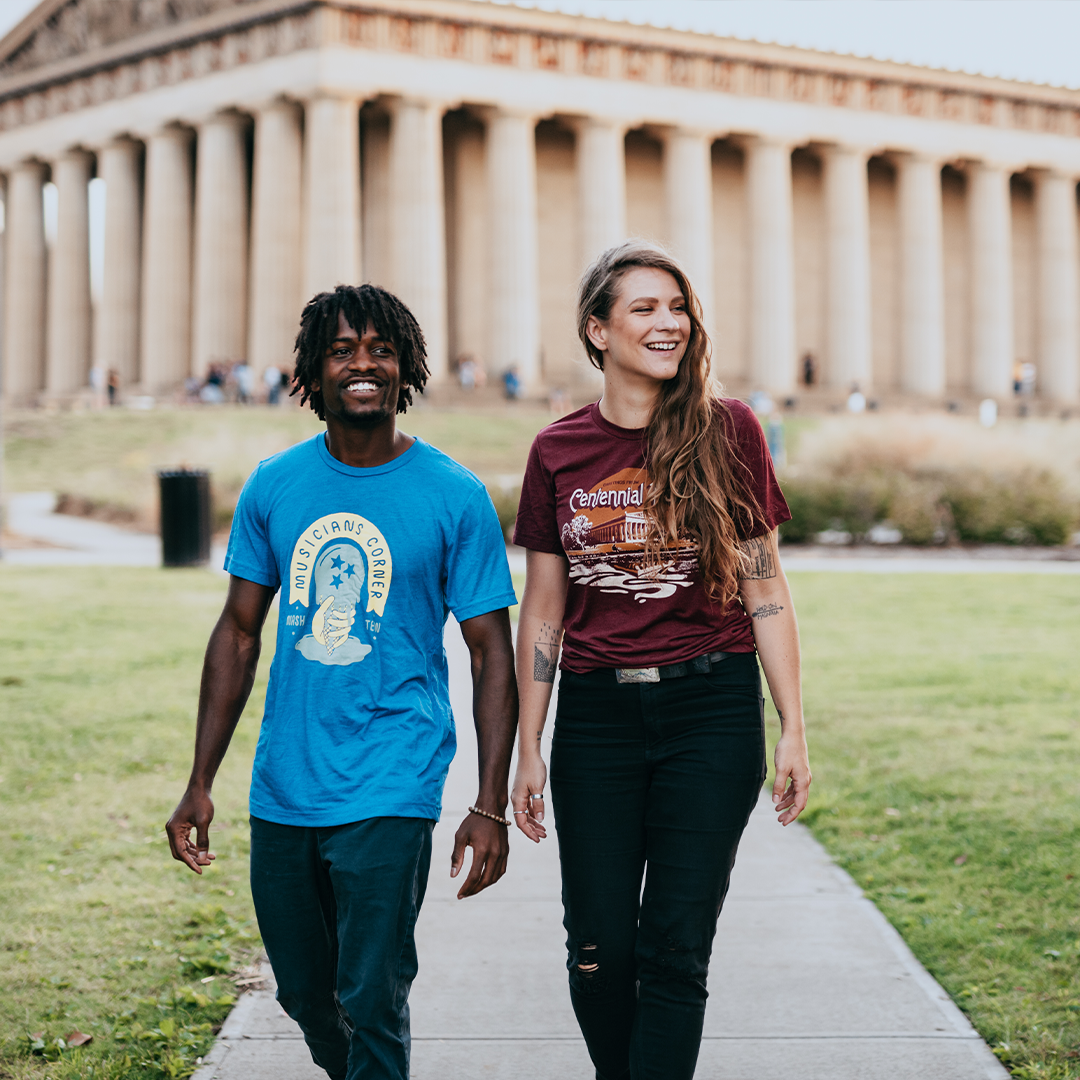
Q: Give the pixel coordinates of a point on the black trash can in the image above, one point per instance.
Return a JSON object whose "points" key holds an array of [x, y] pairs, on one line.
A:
{"points": [[185, 516]]}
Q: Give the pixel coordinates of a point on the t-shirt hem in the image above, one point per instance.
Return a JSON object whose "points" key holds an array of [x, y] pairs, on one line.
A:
{"points": [[320, 819], [483, 607], [535, 543]]}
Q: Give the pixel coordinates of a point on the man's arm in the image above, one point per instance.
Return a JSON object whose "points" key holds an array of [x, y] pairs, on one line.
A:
{"points": [[495, 708], [767, 600], [540, 628], [227, 677]]}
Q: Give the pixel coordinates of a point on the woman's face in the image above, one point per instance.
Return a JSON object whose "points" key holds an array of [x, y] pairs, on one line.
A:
{"points": [[645, 336]]}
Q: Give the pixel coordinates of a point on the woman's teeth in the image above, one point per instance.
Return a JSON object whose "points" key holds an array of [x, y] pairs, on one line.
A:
{"points": [[661, 346]]}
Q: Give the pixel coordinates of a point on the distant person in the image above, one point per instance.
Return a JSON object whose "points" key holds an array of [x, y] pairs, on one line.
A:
{"points": [[649, 521], [856, 402], [357, 735], [112, 386], [272, 380], [245, 383], [467, 374], [512, 383], [774, 438], [1027, 379], [809, 369], [1018, 377]]}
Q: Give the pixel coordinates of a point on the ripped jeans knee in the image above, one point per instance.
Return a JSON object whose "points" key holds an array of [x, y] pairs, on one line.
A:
{"points": [[586, 976]]}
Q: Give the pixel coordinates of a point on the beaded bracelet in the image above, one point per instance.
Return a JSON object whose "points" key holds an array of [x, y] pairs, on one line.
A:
{"points": [[491, 817]]}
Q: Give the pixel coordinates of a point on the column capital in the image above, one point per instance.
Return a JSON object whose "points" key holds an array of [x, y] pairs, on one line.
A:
{"points": [[746, 140], [828, 149], [30, 166], [580, 122]]}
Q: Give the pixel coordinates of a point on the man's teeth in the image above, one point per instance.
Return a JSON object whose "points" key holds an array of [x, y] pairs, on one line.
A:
{"points": [[362, 387]]}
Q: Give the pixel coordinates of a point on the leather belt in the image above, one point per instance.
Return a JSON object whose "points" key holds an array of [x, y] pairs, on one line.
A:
{"points": [[700, 665]]}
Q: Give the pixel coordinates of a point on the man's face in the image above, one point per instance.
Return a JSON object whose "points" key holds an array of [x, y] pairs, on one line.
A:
{"points": [[361, 379]]}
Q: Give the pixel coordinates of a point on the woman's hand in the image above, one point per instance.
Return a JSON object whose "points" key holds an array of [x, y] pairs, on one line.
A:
{"points": [[529, 781], [792, 785]]}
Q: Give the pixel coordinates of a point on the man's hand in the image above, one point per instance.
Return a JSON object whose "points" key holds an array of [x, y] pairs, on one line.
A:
{"points": [[490, 845], [196, 811]]}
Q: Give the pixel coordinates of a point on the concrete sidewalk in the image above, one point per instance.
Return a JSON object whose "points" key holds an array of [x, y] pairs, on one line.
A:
{"points": [[807, 978]]}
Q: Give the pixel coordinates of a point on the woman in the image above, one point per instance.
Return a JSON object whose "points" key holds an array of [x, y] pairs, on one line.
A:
{"points": [[650, 522]]}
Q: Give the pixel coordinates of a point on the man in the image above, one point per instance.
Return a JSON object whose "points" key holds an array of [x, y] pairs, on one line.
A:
{"points": [[372, 536]]}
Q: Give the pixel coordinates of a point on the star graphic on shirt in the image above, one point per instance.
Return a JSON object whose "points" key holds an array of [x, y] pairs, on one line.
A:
{"points": [[336, 561], [336, 581], [348, 569]]}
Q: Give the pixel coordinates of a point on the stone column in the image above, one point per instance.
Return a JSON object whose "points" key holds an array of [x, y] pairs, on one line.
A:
{"points": [[417, 223], [1058, 364], [847, 285], [514, 267], [688, 192], [24, 283], [990, 230], [772, 266], [67, 358], [276, 237], [166, 282], [601, 170], [332, 194], [117, 323], [219, 330], [922, 289]]}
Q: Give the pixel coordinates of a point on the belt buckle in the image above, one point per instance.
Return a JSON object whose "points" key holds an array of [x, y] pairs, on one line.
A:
{"points": [[637, 674]]}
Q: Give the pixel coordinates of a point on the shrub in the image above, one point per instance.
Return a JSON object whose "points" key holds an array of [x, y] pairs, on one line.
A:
{"points": [[506, 506], [1030, 508]]}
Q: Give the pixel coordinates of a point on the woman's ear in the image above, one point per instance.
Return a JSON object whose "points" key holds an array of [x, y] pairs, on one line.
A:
{"points": [[596, 332]]}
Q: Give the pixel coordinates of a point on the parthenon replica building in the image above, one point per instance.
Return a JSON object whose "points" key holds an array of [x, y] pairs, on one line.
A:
{"points": [[914, 230]]}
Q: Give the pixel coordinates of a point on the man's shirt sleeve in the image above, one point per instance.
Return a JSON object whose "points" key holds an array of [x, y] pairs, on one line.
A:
{"points": [[477, 574], [250, 555]]}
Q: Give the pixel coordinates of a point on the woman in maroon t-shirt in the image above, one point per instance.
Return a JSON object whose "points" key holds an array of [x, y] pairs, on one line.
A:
{"points": [[650, 522]]}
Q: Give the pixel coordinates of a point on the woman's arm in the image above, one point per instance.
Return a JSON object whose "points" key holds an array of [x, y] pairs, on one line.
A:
{"points": [[539, 636], [767, 599]]}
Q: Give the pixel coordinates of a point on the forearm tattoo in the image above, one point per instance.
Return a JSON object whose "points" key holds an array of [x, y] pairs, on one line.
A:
{"points": [[545, 654], [766, 610], [758, 563]]}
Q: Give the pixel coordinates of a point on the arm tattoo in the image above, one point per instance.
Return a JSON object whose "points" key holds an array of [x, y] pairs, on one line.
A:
{"points": [[766, 610], [758, 564], [545, 654]]}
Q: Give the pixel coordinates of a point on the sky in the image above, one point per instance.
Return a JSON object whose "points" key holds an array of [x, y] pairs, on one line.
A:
{"points": [[1031, 40]]}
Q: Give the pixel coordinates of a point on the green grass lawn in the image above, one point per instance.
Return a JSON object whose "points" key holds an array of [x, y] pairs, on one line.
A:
{"points": [[944, 719], [102, 931], [944, 714]]}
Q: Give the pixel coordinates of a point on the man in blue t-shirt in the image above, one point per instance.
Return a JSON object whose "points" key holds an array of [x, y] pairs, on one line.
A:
{"points": [[373, 537]]}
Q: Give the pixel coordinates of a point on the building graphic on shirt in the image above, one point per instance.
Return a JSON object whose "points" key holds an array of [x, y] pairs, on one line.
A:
{"points": [[339, 562], [604, 540]]}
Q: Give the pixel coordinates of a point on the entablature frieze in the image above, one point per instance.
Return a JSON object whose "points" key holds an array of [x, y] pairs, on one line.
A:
{"points": [[485, 34]]}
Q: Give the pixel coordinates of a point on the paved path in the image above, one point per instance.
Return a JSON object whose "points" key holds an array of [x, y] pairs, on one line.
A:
{"points": [[78, 541], [808, 979], [82, 542]]}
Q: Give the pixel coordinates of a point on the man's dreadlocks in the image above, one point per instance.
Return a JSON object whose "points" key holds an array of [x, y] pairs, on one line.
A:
{"points": [[361, 305]]}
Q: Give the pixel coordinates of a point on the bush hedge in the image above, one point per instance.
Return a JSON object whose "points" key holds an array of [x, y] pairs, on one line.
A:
{"points": [[934, 508]]}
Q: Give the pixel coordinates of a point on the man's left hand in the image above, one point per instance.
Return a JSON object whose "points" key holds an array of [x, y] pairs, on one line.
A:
{"points": [[490, 845]]}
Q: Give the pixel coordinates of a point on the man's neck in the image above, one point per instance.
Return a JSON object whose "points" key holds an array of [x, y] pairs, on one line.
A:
{"points": [[364, 447]]}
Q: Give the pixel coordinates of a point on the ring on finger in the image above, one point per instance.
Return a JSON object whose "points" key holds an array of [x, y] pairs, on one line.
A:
{"points": [[540, 796]]}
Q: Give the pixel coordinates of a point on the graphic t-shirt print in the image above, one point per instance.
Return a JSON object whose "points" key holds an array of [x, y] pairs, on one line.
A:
{"points": [[340, 567], [604, 540]]}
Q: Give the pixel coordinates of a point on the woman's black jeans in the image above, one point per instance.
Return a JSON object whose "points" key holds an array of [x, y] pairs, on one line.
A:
{"points": [[653, 780]]}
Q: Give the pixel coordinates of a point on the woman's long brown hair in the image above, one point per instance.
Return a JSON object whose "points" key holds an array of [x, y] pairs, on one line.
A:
{"points": [[697, 486]]}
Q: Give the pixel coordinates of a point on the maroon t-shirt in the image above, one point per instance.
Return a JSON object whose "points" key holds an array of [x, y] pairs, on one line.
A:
{"points": [[583, 497]]}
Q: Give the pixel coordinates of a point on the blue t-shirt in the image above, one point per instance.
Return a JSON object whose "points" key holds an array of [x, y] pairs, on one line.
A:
{"points": [[369, 561]]}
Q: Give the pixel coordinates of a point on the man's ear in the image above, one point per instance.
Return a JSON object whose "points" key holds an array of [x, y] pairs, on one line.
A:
{"points": [[596, 333]]}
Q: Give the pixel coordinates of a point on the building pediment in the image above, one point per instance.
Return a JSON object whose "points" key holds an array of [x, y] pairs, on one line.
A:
{"points": [[58, 30]]}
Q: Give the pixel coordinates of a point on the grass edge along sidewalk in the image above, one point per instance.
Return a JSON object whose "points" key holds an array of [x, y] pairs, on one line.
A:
{"points": [[941, 711]]}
